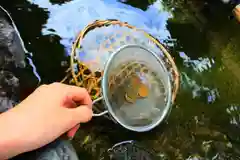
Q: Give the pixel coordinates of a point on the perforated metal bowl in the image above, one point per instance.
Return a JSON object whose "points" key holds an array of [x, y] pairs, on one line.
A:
{"points": [[144, 113]]}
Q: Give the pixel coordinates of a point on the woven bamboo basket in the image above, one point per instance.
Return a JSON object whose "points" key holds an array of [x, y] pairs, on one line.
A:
{"points": [[95, 43]]}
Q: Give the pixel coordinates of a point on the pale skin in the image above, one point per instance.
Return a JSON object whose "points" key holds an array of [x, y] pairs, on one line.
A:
{"points": [[49, 112], [236, 12]]}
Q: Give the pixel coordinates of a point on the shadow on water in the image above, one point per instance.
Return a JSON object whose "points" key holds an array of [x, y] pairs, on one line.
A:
{"points": [[139, 4], [205, 120]]}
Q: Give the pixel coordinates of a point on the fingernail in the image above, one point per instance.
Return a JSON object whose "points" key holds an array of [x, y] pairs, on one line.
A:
{"points": [[71, 136]]}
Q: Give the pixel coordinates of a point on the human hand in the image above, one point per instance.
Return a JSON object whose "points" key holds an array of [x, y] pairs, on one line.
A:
{"points": [[46, 114], [236, 12]]}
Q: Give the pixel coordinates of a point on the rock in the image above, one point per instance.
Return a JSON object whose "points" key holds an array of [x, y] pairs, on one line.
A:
{"points": [[9, 86], [10, 39], [12, 55]]}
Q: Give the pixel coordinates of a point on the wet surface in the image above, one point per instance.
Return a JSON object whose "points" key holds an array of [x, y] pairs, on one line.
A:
{"points": [[205, 120]]}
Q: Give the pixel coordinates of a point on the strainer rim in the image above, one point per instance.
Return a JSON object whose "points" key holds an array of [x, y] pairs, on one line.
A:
{"points": [[104, 83]]}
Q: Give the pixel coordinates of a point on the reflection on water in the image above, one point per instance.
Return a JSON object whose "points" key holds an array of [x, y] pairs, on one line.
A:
{"points": [[234, 114], [197, 91], [82, 13], [204, 123], [199, 65]]}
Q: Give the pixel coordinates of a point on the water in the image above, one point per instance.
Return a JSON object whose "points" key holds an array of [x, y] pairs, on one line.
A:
{"points": [[139, 99], [204, 121]]}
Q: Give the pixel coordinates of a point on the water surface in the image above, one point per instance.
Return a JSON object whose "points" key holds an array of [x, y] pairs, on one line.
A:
{"points": [[205, 120]]}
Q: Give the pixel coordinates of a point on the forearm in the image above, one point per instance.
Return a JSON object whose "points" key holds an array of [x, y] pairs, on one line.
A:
{"points": [[11, 142]]}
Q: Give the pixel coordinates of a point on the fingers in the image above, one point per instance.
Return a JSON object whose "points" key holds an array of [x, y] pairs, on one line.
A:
{"points": [[236, 13], [81, 114], [77, 94], [73, 131]]}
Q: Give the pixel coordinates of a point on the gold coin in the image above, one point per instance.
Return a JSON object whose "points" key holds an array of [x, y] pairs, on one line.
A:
{"points": [[131, 89], [143, 91]]}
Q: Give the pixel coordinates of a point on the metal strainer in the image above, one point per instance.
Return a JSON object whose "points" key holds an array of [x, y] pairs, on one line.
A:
{"points": [[136, 88]]}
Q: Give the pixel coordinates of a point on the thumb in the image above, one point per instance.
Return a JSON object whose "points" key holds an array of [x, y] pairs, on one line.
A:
{"points": [[82, 114]]}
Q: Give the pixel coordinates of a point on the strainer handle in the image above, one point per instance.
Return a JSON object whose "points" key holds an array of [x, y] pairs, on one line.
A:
{"points": [[99, 114]]}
